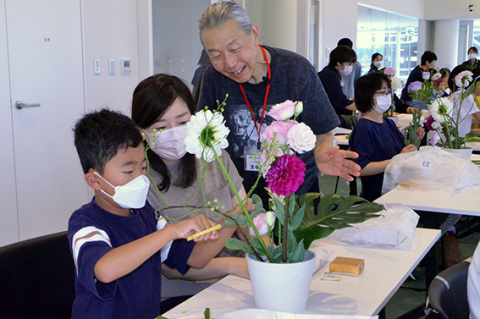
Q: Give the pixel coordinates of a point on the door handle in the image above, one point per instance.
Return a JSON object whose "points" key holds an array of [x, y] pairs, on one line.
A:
{"points": [[20, 105]]}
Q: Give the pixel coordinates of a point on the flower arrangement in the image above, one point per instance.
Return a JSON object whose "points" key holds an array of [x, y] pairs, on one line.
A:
{"points": [[423, 93], [445, 115], [291, 222]]}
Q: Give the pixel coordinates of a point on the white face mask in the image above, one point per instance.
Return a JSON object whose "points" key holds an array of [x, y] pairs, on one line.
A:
{"points": [[383, 103], [131, 195], [378, 64], [346, 72], [472, 56], [170, 143]]}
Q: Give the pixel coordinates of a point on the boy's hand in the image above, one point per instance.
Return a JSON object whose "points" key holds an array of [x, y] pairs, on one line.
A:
{"points": [[194, 225]]}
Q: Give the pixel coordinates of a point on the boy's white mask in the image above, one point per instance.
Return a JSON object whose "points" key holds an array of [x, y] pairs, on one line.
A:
{"points": [[131, 195]]}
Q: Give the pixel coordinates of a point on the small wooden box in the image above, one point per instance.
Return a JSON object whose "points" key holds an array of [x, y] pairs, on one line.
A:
{"points": [[347, 266]]}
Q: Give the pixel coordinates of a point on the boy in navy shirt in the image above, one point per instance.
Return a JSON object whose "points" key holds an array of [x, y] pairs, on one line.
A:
{"points": [[116, 241]]}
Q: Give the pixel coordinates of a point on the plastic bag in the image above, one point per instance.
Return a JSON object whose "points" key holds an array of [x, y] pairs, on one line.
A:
{"points": [[393, 229], [431, 168]]}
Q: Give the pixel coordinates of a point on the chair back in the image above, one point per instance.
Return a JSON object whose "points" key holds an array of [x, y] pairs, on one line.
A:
{"points": [[37, 278], [447, 293]]}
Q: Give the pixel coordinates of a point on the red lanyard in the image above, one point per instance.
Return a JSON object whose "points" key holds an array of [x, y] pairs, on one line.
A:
{"points": [[269, 77]]}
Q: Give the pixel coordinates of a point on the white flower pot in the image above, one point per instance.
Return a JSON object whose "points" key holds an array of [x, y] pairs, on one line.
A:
{"points": [[281, 287], [463, 152]]}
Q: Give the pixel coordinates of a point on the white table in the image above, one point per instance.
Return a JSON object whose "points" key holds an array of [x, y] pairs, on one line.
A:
{"points": [[465, 202], [365, 295], [474, 145]]}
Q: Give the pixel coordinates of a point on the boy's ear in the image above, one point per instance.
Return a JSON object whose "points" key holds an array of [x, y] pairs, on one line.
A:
{"points": [[92, 180]]}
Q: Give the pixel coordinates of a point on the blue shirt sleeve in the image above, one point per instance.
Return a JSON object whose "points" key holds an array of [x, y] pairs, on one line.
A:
{"points": [[178, 255]]}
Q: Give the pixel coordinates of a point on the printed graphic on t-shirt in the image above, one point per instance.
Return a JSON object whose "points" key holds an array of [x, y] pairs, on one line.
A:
{"points": [[243, 137]]}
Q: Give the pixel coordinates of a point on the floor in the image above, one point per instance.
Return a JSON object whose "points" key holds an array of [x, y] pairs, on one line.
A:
{"points": [[412, 293]]}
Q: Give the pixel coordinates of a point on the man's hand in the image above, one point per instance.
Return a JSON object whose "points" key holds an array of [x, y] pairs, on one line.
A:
{"points": [[335, 162]]}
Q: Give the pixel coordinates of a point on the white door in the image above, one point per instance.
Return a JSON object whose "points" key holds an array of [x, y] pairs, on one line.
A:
{"points": [[45, 70], [8, 194]]}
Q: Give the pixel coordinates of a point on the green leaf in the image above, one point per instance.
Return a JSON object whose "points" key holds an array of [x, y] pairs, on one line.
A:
{"points": [[279, 210], [298, 253], [297, 220], [206, 313], [236, 244], [291, 206]]}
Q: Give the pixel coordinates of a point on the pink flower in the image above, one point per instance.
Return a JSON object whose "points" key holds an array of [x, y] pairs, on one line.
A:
{"points": [[389, 71], [277, 131], [463, 79], [301, 138], [283, 111], [436, 76], [286, 175], [428, 123], [260, 224]]}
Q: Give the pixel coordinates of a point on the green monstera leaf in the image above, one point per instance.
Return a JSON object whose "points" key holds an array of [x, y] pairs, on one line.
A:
{"points": [[333, 212]]}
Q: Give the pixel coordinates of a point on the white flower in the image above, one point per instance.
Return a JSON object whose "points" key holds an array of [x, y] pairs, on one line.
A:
{"points": [[439, 108], [463, 79], [270, 219], [436, 76], [260, 224], [298, 108], [426, 75], [301, 138], [206, 130], [435, 125]]}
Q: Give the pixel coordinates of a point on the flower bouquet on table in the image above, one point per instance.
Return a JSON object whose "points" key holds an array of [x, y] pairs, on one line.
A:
{"points": [[422, 94], [291, 221], [447, 115]]}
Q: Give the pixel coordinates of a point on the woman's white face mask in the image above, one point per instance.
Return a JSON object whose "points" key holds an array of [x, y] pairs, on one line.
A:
{"points": [[169, 144], [383, 103], [347, 70]]}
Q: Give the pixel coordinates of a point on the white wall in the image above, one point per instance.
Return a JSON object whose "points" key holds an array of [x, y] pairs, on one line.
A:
{"points": [[451, 9], [446, 31], [110, 32], [176, 40]]}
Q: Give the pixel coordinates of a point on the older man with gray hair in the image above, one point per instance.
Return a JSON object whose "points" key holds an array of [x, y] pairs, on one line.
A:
{"points": [[256, 77]]}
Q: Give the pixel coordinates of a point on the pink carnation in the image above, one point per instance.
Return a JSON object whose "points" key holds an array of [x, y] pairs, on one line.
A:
{"points": [[260, 224], [281, 129], [389, 71], [286, 175], [283, 111]]}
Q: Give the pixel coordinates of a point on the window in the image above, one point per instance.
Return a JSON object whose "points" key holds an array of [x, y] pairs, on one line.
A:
{"points": [[392, 35]]}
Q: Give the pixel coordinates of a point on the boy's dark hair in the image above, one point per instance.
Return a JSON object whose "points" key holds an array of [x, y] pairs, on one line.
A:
{"points": [[444, 72], [365, 89], [342, 54], [474, 49], [428, 56], [345, 42], [100, 134], [456, 70], [151, 99]]}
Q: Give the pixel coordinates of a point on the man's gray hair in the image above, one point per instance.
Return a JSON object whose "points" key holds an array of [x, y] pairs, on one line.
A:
{"points": [[220, 12]]}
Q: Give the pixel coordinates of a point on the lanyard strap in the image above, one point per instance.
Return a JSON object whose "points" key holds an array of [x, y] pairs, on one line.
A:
{"points": [[269, 77]]}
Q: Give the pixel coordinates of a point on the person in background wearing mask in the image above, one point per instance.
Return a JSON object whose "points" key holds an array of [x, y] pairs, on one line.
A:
{"points": [[377, 63], [342, 59], [427, 63], [375, 138], [349, 80], [165, 104], [472, 61]]}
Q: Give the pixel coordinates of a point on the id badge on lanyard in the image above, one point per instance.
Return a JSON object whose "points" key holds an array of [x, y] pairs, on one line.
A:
{"points": [[252, 155]]}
